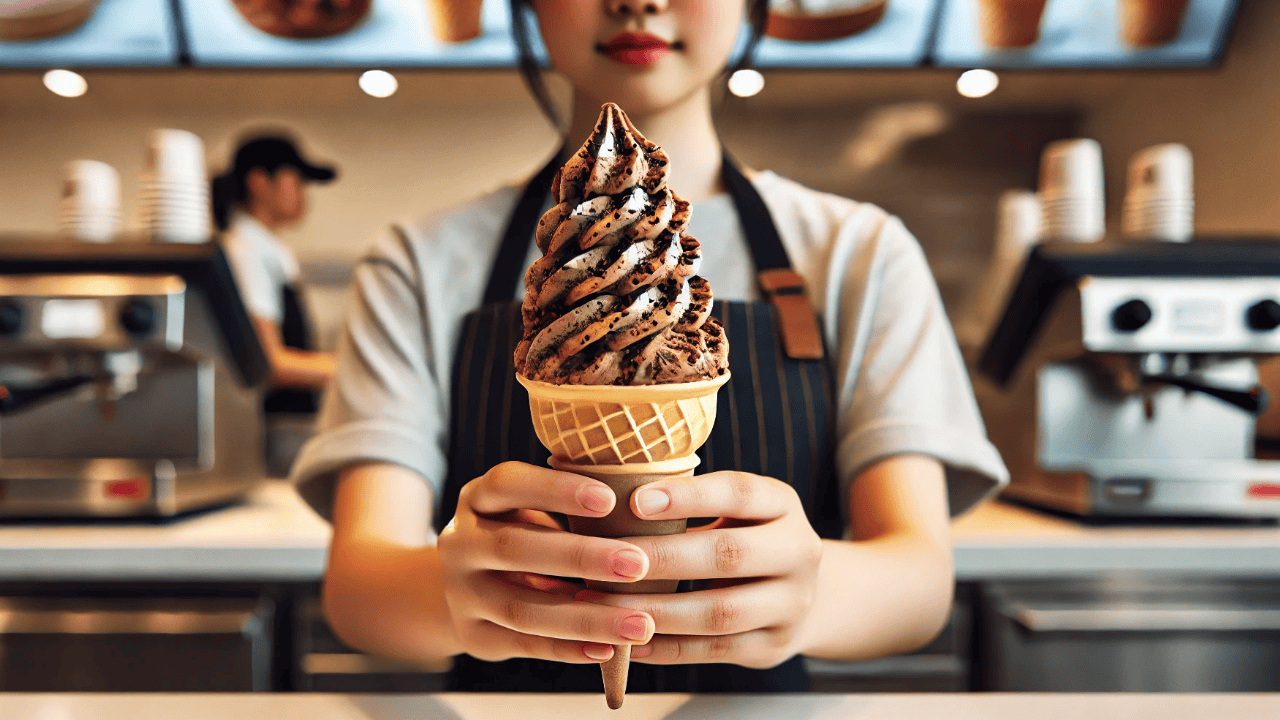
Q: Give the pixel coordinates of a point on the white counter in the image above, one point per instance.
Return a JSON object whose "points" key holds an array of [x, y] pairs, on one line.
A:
{"points": [[1002, 541], [639, 707], [274, 536]]}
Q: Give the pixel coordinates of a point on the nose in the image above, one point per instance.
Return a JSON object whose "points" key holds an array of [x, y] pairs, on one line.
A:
{"points": [[636, 7]]}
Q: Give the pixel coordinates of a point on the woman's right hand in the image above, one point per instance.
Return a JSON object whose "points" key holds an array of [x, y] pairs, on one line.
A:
{"points": [[498, 556]]}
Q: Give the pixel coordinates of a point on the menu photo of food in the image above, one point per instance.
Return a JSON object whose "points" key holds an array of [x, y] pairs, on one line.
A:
{"points": [[846, 33], [87, 33], [348, 33], [1071, 33]]}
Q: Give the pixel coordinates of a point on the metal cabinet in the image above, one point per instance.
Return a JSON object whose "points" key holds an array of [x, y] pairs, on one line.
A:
{"points": [[135, 644], [1125, 634]]}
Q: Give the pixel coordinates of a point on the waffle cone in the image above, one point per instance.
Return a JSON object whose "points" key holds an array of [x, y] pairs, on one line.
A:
{"points": [[1010, 23], [625, 437]]}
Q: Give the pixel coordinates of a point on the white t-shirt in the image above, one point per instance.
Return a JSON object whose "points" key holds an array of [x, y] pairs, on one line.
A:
{"points": [[262, 266], [900, 381]]}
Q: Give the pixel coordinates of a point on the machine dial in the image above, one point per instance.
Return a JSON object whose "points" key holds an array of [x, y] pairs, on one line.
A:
{"points": [[1131, 316], [1263, 316], [138, 317], [10, 318]]}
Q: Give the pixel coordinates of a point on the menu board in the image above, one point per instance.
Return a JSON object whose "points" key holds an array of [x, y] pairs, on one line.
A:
{"points": [[395, 33], [1084, 33], [120, 33], [899, 39]]}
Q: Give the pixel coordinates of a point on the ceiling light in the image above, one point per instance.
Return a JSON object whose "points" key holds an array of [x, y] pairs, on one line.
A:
{"points": [[977, 83], [745, 83], [65, 83], [379, 83]]}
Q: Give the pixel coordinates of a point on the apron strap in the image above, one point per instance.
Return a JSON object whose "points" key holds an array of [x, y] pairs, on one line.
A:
{"points": [[779, 283], [509, 265]]}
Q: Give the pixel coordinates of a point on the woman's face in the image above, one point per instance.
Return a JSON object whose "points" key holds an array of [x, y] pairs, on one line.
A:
{"points": [[645, 55], [283, 195]]}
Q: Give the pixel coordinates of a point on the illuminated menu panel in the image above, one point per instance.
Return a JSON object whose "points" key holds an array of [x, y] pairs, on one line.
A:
{"points": [[395, 33], [120, 33], [1084, 33], [899, 39]]}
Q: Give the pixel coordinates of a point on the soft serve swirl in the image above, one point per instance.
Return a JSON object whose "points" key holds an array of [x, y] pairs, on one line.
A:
{"points": [[616, 298]]}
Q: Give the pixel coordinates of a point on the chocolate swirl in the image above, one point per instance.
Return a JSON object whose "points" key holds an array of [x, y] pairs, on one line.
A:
{"points": [[616, 298]]}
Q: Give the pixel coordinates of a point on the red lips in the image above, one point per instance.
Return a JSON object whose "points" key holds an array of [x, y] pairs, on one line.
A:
{"points": [[631, 48]]}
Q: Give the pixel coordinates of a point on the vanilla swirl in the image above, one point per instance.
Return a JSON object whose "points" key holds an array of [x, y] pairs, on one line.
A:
{"points": [[616, 298]]}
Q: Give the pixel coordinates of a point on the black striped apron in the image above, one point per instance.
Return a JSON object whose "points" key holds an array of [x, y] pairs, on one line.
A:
{"points": [[774, 418]]}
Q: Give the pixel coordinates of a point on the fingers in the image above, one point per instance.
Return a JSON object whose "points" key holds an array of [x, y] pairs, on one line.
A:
{"points": [[760, 551], [494, 642], [723, 611], [723, 494], [527, 548], [515, 486], [550, 615], [756, 649]]}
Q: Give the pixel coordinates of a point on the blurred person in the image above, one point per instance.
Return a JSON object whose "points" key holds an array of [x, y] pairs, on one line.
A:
{"points": [[832, 537], [263, 192]]}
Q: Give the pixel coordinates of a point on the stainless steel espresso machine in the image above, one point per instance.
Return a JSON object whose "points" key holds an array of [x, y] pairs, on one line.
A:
{"points": [[128, 376], [1122, 378]]}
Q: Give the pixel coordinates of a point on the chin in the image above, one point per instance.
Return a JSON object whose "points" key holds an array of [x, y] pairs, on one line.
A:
{"points": [[642, 92]]}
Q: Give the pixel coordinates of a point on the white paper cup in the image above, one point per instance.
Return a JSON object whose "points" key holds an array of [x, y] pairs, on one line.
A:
{"points": [[1071, 168]]}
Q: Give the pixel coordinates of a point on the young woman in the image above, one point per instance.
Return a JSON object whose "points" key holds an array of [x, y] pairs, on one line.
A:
{"points": [[263, 192], [873, 442]]}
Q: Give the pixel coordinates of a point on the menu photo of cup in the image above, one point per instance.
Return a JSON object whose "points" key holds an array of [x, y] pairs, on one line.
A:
{"points": [[1076, 33]]}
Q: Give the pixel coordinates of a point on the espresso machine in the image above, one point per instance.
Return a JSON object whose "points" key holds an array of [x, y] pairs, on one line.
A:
{"points": [[1122, 378], [129, 378]]}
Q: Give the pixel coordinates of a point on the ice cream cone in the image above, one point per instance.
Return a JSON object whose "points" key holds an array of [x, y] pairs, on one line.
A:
{"points": [[454, 21], [624, 436], [1144, 23], [1010, 23]]}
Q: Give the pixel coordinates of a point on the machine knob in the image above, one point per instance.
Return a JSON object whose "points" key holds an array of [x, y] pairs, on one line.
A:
{"points": [[1131, 316], [10, 318], [1264, 316], [138, 317]]}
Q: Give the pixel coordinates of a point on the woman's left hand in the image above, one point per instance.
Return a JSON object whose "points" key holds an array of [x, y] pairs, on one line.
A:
{"points": [[762, 556]]}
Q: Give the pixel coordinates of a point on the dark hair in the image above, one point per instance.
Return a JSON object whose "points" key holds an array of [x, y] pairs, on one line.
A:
{"points": [[531, 70]]}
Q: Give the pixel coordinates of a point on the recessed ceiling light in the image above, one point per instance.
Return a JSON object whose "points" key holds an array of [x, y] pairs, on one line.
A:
{"points": [[66, 83], [745, 83], [977, 83], [379, 83]]}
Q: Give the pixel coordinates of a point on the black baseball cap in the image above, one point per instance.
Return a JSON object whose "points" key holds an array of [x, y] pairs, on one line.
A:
{"points": [[274, 152]]}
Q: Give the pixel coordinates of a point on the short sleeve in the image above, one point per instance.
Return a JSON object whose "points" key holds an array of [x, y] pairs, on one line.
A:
{"points": [[385, 404], [261, 296], [902, 384]]}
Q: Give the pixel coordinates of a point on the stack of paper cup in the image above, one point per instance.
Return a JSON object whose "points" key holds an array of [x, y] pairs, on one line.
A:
{"points": [[175, 190], [90, 207], [1160, 202], [1071, 198], [1017, 231]]}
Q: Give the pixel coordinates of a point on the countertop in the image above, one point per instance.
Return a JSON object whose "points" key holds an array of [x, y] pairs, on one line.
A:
{"points": [[271, 536], [275, 536], [1096, 706]]}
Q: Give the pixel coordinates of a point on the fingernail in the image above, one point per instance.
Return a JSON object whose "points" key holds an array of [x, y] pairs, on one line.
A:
{"points": [[597, 652], [639, 651], [546, 584], [627, 563], [594, 498], [635, 627], [650, 501]]}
